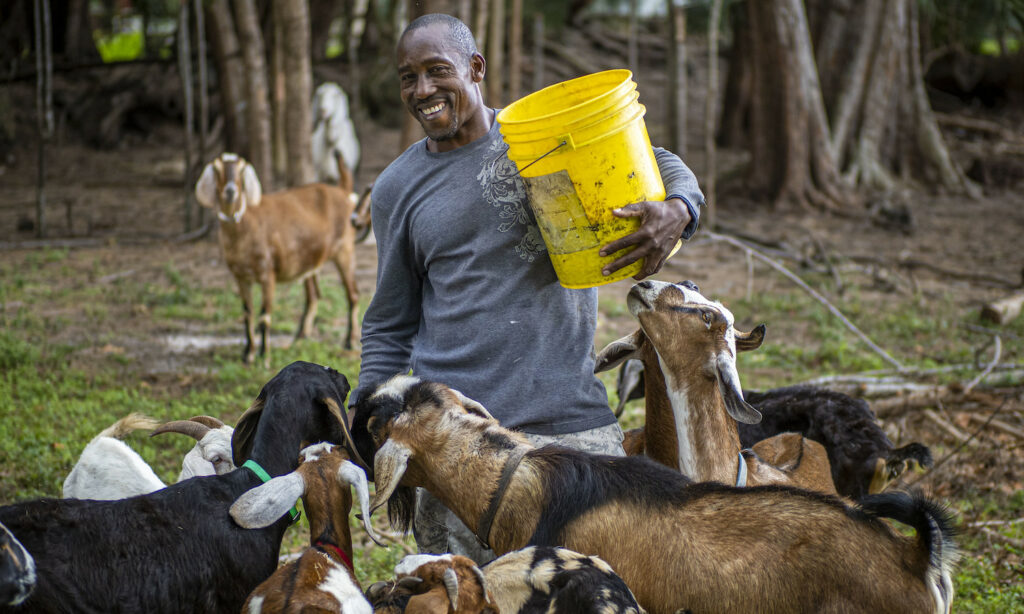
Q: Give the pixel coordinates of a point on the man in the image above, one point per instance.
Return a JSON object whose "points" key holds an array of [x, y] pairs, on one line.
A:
{"points": [[466, 294]]}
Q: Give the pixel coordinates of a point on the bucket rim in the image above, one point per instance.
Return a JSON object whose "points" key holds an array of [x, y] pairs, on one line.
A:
{"points": [[627, 78]]}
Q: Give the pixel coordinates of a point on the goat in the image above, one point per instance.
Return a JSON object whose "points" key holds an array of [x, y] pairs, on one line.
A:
{"points": [[334, 140], [528, 581], [280, 237], [323, 576], [706, 547], [688, 346], [211, 455], [862, 457], [177, 549], [17, 570], [109, 469]]}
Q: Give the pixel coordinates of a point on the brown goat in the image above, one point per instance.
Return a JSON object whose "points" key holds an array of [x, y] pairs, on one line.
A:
{"points": [[433, 584], [322, 578], [677, 544], [278, 238], [688, 347]]}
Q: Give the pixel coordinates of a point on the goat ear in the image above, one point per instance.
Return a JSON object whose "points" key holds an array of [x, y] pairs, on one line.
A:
{"points": [[749, 341], [732, 394], [619, 351], [473, 407], [251, 186], [389, 466], [206, 187], [264, 505], [349, 473], [245, 432]]}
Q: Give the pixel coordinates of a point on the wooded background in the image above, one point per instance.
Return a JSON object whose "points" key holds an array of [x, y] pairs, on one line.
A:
{"points": [[833, 101]]}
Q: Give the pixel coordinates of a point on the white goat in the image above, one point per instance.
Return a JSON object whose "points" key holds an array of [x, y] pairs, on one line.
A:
{"points": [[108, 469], [334, 135]]}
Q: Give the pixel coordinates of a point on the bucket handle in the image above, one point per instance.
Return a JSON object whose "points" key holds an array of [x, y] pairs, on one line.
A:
{"points": [[565, 140]]}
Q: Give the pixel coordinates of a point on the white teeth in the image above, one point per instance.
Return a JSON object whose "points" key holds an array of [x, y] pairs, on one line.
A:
{"points": [[434, 109]]}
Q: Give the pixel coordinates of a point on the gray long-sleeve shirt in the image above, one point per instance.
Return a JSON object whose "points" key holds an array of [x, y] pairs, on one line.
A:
{"points": [[466, 294]]}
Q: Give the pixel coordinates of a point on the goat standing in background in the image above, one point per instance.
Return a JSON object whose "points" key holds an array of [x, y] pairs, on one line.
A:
{"points": [[323, 577], [334, 140], [281, 237], [677, 544], [688, 346]]}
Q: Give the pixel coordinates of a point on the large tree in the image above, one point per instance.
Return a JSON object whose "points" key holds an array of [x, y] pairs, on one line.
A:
{"points": [[258, 106], [837, 103], [292, 17]]}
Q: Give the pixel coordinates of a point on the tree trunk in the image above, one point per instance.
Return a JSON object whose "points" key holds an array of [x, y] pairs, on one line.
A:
{"points": [[230, 74], [515, 52], [78, 46], [258, 111], [322, 13], [734, 122], [293, 17], [185, 70], [278, 104], [496, 55], [710, 109], [791, 159], [676, 79]]}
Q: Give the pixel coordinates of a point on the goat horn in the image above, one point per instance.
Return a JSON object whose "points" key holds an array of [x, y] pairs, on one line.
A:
{"points": [[351, 474], [479, 573], [408, 582], [185, 427], [388, 468], [210, 421], [350, 444], [451, 584]]}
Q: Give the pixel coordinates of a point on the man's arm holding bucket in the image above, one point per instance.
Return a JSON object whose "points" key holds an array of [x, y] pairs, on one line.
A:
{"points": [[662, 224]]}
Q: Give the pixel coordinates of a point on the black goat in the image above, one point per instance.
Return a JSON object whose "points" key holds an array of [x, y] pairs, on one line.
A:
{"points": [[862, 457], [177, 549]]}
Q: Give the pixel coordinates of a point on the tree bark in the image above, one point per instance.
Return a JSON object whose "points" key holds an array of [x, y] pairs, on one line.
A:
{"points": [[734, 119], [230, 74], [322, 14], [515, 52], [677, 79], [278, 104], [293, 17], [185, 71], [258, 111], [496, 55], [710, 109]]}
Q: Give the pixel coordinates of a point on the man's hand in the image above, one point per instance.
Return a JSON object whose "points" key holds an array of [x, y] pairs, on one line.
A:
{"points": [[661, 225]]}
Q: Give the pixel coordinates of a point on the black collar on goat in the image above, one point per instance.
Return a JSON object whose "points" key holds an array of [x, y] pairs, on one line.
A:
{"points": [[677, 544], [177, 549]]}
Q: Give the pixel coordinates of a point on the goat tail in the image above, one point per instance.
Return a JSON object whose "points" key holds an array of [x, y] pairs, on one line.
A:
{"points": [[935, 537], [132, 422]]}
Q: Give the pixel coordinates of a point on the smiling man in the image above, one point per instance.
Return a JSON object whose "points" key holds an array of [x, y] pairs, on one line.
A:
{"points": [[466, 294]]}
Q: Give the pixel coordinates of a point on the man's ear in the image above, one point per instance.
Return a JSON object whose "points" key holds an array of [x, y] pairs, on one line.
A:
{"points": [[477, 67]]}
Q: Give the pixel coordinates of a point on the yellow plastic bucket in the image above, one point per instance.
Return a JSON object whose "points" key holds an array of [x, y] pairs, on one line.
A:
{"points": [[582, 149]]}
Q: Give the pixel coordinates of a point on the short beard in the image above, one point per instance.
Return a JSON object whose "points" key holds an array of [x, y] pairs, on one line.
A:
{"points": [[446, 134]]}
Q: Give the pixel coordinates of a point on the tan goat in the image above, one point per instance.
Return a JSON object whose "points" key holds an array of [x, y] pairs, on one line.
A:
{"points": [[688, 347], [322, 578], [678, 545], [278, 238]]}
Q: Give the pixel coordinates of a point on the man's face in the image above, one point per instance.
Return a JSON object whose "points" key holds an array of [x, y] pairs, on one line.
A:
{"points": [[439, 85]]}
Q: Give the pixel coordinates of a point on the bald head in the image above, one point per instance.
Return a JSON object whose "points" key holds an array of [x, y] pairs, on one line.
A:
{"points": [[456, 33]]}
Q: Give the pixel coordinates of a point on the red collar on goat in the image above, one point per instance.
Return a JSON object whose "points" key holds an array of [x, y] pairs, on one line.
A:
{"points": [[322, 545]]}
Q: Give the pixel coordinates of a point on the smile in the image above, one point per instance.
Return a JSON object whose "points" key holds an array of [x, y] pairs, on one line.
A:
{"points": [[432, 110]]}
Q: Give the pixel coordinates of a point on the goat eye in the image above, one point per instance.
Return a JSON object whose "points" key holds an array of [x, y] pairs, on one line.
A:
{"points": [[706, 317]]}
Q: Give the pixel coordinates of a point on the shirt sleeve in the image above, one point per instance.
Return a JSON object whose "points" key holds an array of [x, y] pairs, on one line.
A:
{"points": [[393, 317], [681, 183]]}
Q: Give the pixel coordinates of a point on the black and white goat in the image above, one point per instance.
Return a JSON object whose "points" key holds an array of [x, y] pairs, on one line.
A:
{"points": [[528, 581], [177, 549], [17, 570], [703, 547]]}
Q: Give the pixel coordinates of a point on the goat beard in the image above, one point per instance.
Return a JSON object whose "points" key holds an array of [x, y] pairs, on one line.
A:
{"points": [[402, 508]]}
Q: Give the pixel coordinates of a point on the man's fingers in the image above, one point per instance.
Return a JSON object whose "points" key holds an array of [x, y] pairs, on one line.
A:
{"points": [[630, 210], [626, 241], [622, 261]]}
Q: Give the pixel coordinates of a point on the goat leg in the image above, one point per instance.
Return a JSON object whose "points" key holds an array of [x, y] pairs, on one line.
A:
{"points": [[245, 291], [345, 261], [309, 313], [268, 308]]}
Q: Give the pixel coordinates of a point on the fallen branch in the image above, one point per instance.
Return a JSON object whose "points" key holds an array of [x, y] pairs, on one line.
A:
{"points": [[775, 264], [942, 461], [946, 426], [910, 263], [1003, 310], [1016, 543], [1000, 425], [995, 523], [995, 360]]}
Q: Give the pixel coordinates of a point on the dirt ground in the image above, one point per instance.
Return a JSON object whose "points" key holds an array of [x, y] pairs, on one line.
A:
{"points": [[125, 206]]}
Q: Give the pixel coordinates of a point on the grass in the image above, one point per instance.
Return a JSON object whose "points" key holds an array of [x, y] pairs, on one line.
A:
{"points": [[76, 355]]}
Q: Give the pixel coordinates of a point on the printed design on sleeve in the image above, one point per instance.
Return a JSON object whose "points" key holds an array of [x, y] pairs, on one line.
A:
{"points": [[504, 189]]}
